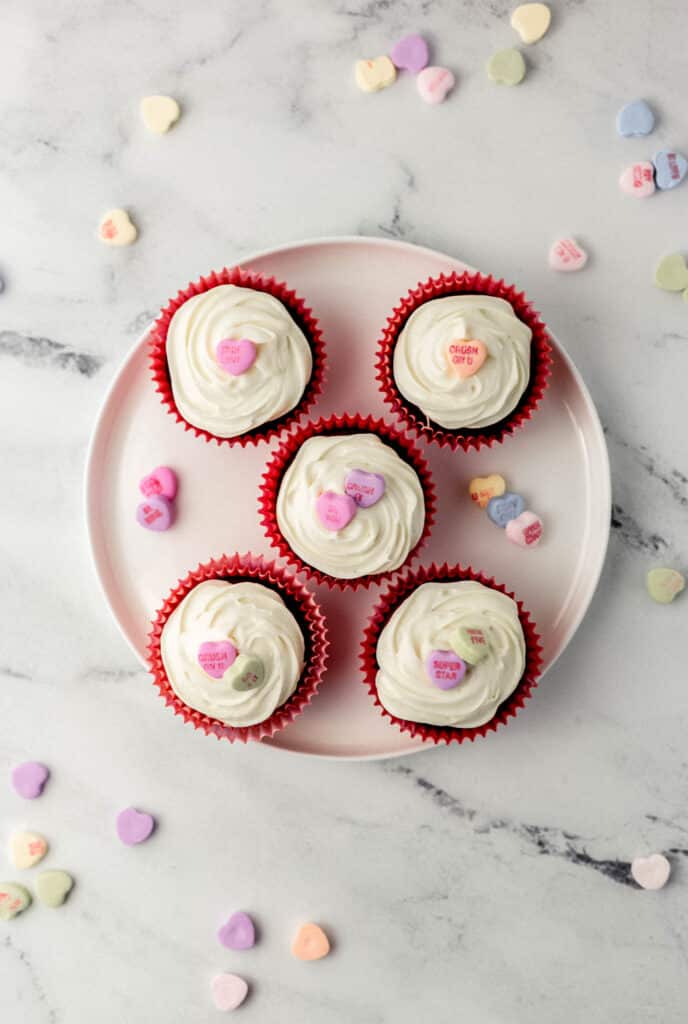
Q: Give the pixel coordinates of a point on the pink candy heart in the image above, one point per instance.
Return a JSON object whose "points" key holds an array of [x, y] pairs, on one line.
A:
{"points": [[465, 356], [155, 513], [29, 779], [162, 480], [238, 933], [433, 84], [215, 657], [236, 356], [365, 488], [229, 991], [651, 872], [445, 668], [134, 826], [525, 530], [335, 511], [410, 53], [566, 255], [638, 180]]}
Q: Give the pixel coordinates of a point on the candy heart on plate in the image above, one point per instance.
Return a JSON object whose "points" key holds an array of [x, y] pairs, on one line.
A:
{"points": [[116, 228], [373, 75], [482, 488], [525, 530], [505, 507], [155, 513], [162, 480]]}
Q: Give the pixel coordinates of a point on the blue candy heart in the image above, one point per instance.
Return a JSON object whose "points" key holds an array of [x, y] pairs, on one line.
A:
{"points": [[635, 118], [506, 507], [670, 168]]}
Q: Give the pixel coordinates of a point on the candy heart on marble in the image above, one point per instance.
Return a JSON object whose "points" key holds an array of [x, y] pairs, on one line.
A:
{"points": [[410, 53], [465, 356], [216, 656], [29, 778], [365, 488], [247, 673], [372, 75], [27, 849], [651, 872], [162, 480], [335, 511], [636, 118], [116, 228], [505, 507], [482, 488], [531, 21], [445, 669], [238, 932], [134, 826], [434, 84], [155, 513], [671, 273], [53, 887], [13, 899], [566, 255], [507, 67], [638, 180], [159, 113], [664, 584], [525, 530], [236, 355], [310, 943], [229, 991], [670, 169], [471, 644]]}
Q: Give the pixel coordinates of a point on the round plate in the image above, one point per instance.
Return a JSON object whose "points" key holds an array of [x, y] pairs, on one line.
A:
{"points": [[558, 462]]}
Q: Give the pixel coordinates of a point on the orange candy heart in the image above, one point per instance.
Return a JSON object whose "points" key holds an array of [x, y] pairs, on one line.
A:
{"points": [[465, 356], [310, 943]]}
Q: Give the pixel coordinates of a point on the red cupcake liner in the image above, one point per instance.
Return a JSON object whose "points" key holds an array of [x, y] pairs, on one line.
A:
{"points": [[157, 341], [540, 361], [397, 592], [340, 424], [301, 603]]}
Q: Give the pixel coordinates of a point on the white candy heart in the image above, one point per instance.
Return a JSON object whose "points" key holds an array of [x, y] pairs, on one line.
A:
{"points": [[229, 991], [27, 849], [372, 75], [159, 113], [651, 872], [117, 229], [567, 255]]}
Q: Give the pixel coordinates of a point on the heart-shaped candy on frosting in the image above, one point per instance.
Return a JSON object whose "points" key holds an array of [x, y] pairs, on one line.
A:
{"points": [[116, 228], [507, 506], [410, 54], [236, 355], [335, 511], [310, 943], [445, 669], [465, 356], [566, 255], [229, 991], [365, 488], [27, 849], [53, 887], [482, 488], [372, 75], [238, 932], [216, 656], [525, 530], [651, 872], [471, 644], [247, 673], [162, 480]]}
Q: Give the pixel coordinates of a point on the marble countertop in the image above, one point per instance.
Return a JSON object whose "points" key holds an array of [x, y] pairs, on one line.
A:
{"points": [[487, 883]]}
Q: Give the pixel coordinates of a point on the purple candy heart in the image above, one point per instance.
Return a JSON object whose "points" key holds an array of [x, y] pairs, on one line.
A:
{"points": [[410, 53], [134, 826], [445, 668], [155, 513], [29, 779], [365, 488], [238, 933]]}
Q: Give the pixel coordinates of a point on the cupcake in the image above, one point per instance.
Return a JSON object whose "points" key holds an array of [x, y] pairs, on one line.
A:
{"points": [[347, 499], [449, 655], [238, 648], [464, 360], [236, 357]]}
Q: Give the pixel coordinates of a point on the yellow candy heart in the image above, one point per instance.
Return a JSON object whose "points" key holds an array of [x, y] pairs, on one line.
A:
{"points": [[26, 849], [117, 229], [482, 488], [664, 584], [531, 21], [372, 75], [159, 113]]}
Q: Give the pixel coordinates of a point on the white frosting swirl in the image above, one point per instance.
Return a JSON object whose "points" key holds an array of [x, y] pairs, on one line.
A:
{"points": [[424, 378], [378, 538], [211, 398], [426, 622], [257, 621]]}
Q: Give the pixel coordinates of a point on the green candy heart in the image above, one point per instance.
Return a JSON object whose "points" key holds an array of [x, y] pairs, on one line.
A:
{"points": [[13, 899], [506, 67], [247, 673], [664, 584], [471, 644], [671, 273], [53, 887]]}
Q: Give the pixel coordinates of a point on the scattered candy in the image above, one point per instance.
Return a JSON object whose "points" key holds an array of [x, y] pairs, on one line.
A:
{"points": [[373, 75], [238, 933], [13, 900], [155, 513], [525, 530], [506, 67], [159, 113], [117, 229], [638, 180], [634, 119], [365, 488], [162, 480], [27, 849], [134, 826], [670, 169], [671, 273], [216, 656], [664, 584], [236, 355], [445, 669], [531, 21], [505, 507], [470, 643], [335, 511], [229, 991], [651, 872], [29, 778], [434, 84], [482, 488], [53, 887], [410, 54], [247, 673], [567, 255], [465, 356], [310, 943]]}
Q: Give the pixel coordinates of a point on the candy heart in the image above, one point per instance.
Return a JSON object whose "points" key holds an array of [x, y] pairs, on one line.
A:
{"points": [[638, 180], [433, 84], [247, 673], [482, 488], [134, 826], [651, 872], [506, 67], [505, 507], [13, 899], [635, 118], [410, 53], [29, 779], [365, 488], [664, 584], [670, 169], [236, 355], [117, 229], [27, 849], [216, 656], [445, 669], [335, 511], [310, 943], [162, 480], [531, 21], [159, 113], [372, 75], [567, 255], [229, 991], [155, 513], [53, 887], [465, 356], [671, 273], [238, 933], [471, 644], [525, 530]]}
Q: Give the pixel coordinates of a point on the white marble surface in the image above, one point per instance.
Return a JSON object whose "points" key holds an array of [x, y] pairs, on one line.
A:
{"points": [[486, 883]]}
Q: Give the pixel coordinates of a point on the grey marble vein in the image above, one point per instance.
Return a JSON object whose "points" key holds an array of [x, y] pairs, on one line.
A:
{"points": [[44, 352]]}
